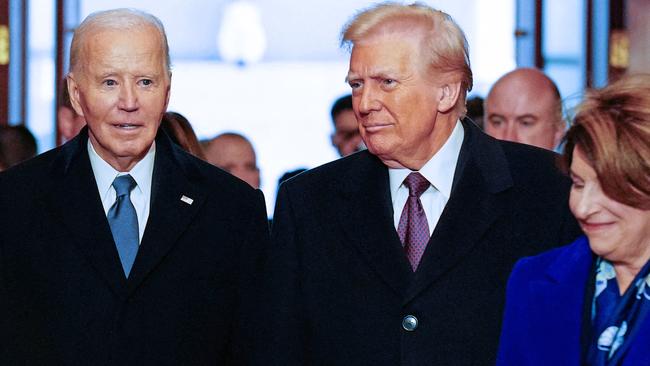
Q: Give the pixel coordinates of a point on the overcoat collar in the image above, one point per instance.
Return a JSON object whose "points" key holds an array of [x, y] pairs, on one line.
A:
{"points": [[482, 173], [76, 200]]}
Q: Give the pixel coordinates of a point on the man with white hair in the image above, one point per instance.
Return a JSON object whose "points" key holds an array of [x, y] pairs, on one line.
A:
{"points": [[119, 248]]}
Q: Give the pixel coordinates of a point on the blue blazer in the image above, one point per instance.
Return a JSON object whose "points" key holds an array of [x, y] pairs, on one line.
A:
{"points": [[544, 305]]}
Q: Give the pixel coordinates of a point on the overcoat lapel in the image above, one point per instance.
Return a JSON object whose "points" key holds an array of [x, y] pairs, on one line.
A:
{"points": [[472, 208], [169, 216], [75, 199], [366, 197]]}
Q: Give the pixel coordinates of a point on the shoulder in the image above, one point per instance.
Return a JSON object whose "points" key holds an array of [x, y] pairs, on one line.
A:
{"points": [[336, 172], [530, 161], [536, 175], [215, 180], [32, 173], [504, 164], [565, 258]]}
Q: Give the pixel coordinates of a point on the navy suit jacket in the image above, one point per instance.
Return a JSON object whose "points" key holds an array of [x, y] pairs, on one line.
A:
{"points": [[64, 299], [544, 311], [338, 283]]}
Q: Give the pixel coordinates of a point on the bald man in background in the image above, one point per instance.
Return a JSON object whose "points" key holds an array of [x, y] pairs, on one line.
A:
{"points": [[525, 106], [233, 153]]}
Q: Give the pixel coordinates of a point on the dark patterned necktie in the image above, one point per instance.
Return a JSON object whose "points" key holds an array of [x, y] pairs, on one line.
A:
{"points": [[124, 222], [413, 228]]}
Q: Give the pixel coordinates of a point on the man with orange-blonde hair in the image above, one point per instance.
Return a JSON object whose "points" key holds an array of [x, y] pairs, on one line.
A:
{"points": [[399, 255]]}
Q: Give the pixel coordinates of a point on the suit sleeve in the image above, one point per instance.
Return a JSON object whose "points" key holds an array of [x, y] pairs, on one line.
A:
{"points": [[283, 337], [512, 343]]}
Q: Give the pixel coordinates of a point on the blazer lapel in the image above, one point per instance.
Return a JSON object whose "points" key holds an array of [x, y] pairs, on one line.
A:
{"points": [[75, 199], [559, 301], [638, 353], [482, 173], [366, 195], [169, 215]]}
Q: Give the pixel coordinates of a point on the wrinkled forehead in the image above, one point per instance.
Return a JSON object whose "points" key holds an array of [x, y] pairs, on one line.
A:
{"points": [[101, 39]]}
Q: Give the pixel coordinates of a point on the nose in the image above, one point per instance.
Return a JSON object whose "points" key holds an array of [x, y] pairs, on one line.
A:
{"points": [[510, 133], [128, 97], [584, 203], [368, 101]]}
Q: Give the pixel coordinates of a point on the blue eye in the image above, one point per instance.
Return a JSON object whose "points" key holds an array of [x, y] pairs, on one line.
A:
{"points": [[355, 84], [110, 82], [146, 82]]}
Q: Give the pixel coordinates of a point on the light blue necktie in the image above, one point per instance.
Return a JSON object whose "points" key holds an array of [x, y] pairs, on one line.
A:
{"points": [[124, 222]]}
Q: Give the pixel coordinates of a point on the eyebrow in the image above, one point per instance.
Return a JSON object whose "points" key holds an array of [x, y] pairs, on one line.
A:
{"points": [[528, 115], [497, 115]]}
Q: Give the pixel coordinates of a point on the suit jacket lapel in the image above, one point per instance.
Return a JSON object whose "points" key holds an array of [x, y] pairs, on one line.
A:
{"points": [[169, 216], [482, 173], [559, 300], [370, 228], [75, 199]]}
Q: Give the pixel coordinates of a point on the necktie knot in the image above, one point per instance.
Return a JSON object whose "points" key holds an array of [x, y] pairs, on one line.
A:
{"points": [[417, 184], [123, 185]]}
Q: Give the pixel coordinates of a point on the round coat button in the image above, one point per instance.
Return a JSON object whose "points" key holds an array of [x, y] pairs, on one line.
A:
{"points": [[409, 323]]}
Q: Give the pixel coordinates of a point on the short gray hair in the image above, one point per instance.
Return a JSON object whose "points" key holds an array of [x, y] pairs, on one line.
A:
{"points": [[122, 19]]}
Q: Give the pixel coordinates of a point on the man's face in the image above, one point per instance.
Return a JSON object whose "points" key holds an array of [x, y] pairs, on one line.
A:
{"points": [[394, 97], [346, 137], [236, 156], [121, 88], [516, 112]]}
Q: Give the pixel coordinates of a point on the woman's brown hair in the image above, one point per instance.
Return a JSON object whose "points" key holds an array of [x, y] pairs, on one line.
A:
{"points": [[612, 129]]}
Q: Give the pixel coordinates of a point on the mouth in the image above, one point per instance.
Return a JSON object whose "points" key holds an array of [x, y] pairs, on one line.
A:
{"points": [[127, 126], [594, 226], [376, 127]]}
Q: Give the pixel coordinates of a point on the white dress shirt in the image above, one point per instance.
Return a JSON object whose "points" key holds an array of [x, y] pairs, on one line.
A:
{"points": [[142, 173], [439, 171]]}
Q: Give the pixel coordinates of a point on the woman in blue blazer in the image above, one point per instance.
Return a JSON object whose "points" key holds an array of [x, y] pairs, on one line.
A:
{"points": [[588, 303]]}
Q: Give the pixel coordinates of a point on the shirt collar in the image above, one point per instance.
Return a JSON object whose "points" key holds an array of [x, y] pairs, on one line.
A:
{"points": [[439, 170], [105, 174]]}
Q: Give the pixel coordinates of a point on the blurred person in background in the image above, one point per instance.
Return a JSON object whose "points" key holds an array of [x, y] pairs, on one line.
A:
{"points": [[525, 106], [69, 122], [17, 144], [588, 303], [233, 153], [475, 110], [346, 137], [181, 132]]}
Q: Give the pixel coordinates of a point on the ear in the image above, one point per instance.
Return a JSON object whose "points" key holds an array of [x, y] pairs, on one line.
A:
{"points": [[73, 90], [449, 94], [559, 133], [168, 92]]}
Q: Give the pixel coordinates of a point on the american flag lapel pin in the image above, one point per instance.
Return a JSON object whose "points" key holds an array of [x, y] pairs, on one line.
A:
{"points": [[187, 200]]}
